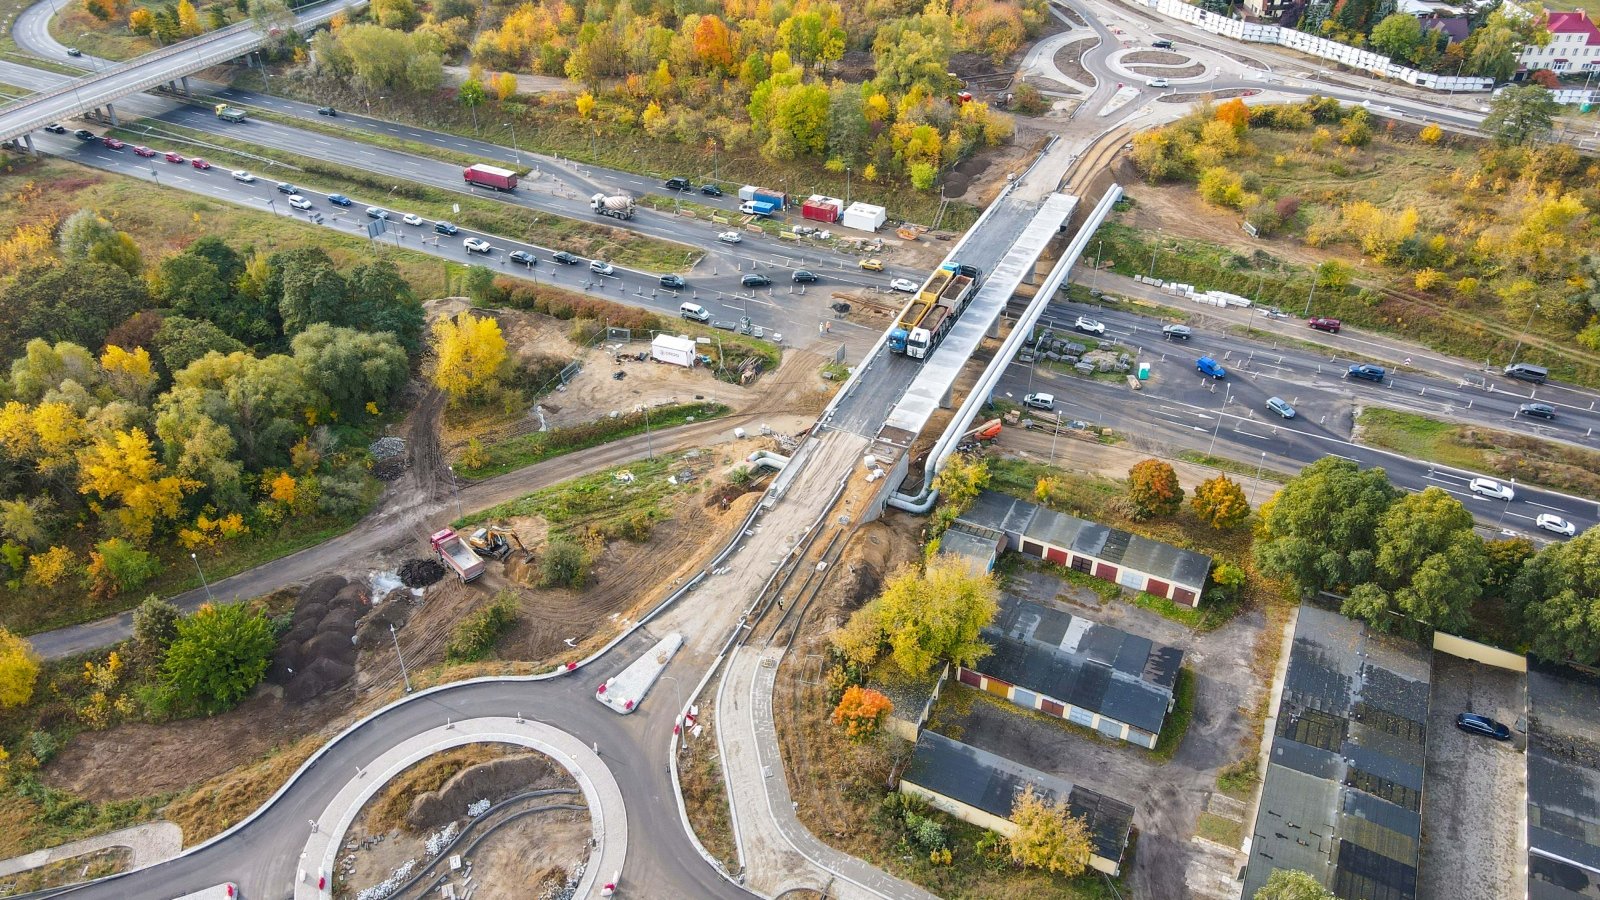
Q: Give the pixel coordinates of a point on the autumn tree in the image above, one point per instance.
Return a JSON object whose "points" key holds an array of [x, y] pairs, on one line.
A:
{"points": [[962, 479], [116, 567], [923, 617], [1154, 490], [713, 44], [19, 669], [1430, 134], [1220, 502], [1290, 884], [188, 19], [470, 354], [217, 657], [1048, 836], [1235, 113], [1519, 114], [1320, 530], [505, 86], [860, 711], [122, 468]]}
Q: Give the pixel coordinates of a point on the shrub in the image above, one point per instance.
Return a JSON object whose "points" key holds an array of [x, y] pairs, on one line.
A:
{"points": [[476, 635], [861, 711], [564, 564], [116, 566]]}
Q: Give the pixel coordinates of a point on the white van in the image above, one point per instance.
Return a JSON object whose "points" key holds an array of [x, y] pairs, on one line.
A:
{"points": [[1040, 401], [694, 311]]}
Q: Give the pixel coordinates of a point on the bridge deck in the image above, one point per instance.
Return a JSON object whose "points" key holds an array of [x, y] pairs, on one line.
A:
{"points": [[933, 383]]}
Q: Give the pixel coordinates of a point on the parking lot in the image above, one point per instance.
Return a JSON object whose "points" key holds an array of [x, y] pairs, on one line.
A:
{"points": [[1473, 804]]}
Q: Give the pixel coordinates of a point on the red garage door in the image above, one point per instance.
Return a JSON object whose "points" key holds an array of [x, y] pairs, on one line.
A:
{"points": [[1105, 571], [1158, 587], [1059, 557], [970, 678], [1184, 596], [1053, 708]]}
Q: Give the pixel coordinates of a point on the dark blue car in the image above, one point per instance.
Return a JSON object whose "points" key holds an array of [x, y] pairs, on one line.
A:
{"points": [[1472, 723], [1208, 366], [1368, 372], [339, 200]]}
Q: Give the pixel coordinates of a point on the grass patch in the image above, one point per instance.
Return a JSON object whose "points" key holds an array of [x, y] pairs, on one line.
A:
{"points": [[1177, 723], [1184, 615], [224, 801], [705, 795], [75, 26], [600, 502], [475, 636], [1223, 831], [87, 867], [527, 449], [1231, 466], [394, 801], [1526, 459], [1238, 780], [588, 239]]}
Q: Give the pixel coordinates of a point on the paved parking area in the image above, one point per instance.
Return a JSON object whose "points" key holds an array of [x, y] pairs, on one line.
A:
{"points": [[1474, 808]]}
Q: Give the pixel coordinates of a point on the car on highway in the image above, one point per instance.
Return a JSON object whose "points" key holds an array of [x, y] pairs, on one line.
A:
{"points": [[476, 245], [1367, 372], [872, 265], [601, 267], [1205, 365], [327, 111], [1176, 332], [443, 227], [1281, 407], [1322, 323], [1527, 372], [674, 281], [1472, 723], [201, 163], [74, 51], [1538, 410], [411, 219], [243, 176], [710, 190], [803, 276], [730, 237], [340, 200], [1551, 522], [377, 212], [172, 157], [679, 184], [1494, 490], [84, 134], [1040, 401], [112, 143], [56, 128], [1089, 326], [142, 150], [905, 285], [299, 202], [523, 257], [755, 280], [285, 187], [565, 258]]}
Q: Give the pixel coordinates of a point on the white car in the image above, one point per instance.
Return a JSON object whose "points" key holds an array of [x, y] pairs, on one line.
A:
{"points": [[1160, 83], [476, 245], [1557, 524], [730, 237], [904, 284], [242, 175], [601, 267], [1088, 325], [299, 202], [411, 219], [1494, 490]]}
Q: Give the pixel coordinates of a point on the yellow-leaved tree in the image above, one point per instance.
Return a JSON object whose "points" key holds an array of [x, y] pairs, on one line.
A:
{"points": [[1048, 836], [470, 353], [188, 19], [1221, 503], [19, 669], [923, 617], [129, 372], [123, 468]]}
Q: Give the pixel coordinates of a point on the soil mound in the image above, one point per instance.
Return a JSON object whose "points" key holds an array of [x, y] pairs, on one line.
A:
{"points": [[318, 653], [493, 781], [415, 573]]}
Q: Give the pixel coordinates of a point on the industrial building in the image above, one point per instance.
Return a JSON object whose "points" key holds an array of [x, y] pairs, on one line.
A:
{"points": [[1563, 784]]}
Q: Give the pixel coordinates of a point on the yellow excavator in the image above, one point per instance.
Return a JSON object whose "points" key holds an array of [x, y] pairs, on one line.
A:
{"points": [[494, 542]]}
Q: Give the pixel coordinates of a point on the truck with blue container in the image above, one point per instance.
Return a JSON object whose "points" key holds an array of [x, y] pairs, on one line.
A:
{"points": [[757, 208], [778, 199]]}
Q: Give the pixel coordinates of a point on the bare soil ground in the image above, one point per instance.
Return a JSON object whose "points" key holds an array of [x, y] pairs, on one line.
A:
{"points": [[1156, 56], [1069, 59], [1167, 72], [530, 856]]}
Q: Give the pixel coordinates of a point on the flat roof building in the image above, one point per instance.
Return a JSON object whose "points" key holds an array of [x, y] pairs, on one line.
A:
{"points": [[1563, 784]]}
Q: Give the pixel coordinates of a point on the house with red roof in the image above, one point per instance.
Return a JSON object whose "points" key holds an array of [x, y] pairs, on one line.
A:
{"points": [[1574, 45]]}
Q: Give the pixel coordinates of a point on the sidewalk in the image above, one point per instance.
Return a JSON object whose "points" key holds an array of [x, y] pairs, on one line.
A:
{"points": [[151, 843]]}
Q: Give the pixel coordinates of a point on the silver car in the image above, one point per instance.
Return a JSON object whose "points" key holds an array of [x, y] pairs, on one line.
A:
{"points": [[1281, 407]]}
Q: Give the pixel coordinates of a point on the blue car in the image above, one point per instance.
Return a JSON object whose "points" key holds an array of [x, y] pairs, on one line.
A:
{"points": [[1368, 372], [339, 200], [1208, 366]]}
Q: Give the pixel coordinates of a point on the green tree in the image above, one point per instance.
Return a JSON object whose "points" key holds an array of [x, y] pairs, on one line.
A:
{"points": [[472, 95], [81, 232], [479, 282], [925, 617], [1153, 488], [1289, 884], [350, 368], [219, 654], [913, 52], [313, 291], [1429, 568], [1048, 836], [181, 340], [1398, 36], [382, 300], [79, 302], [116, 567], [1320, 530], [564, 563], [1559, 591], [1221, 503], [961, 480], [155, 625], [1520, 114]]}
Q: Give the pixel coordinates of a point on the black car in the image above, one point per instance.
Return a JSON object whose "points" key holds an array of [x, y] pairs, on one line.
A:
{"points": [[339, 200], [56, 128], [679, 184], [444, 227], [84, 134], [1176, 332], [755, 280], [1368, 372], [563, 257], [674, 281], [1538, 410], [326, 111], [523, 257], [803, 276], [710, 190], [1472, 723], [285, 187]]}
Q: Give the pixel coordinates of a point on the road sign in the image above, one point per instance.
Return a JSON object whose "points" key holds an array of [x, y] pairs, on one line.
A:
{"points": [[375, 227]]}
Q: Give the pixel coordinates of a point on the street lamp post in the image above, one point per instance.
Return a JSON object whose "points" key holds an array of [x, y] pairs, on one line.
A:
{"points": [[456, 491], [398, 655], [1220, 413], [846, 185], [514, 148], [648, 448], [1524, 333], [1055, 436], [1313, 293], [1251, 500], [207, 584]]}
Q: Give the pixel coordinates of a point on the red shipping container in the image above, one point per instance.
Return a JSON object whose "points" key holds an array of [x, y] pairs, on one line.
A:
{"points": [[821, 211]]}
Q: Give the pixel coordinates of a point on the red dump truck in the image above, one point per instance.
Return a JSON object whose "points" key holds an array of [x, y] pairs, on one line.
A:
{"points": [[455, 553], [491, 177]]}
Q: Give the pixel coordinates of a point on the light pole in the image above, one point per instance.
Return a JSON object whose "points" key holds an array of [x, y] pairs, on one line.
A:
{"points": [[514, 148], [846, 185], [207, 584], [1524, 334], [677, 723], [1055, 436], [1251, 500], [456, 490], [648, 448], [1215, 431], [1313, 293], [398, 655], [1098, 246]]}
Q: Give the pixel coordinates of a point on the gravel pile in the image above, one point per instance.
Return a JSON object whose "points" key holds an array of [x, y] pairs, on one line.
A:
{"points": [[386, 448], [415, 573]]}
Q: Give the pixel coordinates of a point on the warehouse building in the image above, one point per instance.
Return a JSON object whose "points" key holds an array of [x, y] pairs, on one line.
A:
{"points": [[979, 787], [1046, 659], [1111, 554]]}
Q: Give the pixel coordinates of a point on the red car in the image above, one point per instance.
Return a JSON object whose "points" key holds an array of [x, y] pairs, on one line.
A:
{"points": [[199, 163], [112, 143], [175, 157], [142, 150], [1322, 324]]}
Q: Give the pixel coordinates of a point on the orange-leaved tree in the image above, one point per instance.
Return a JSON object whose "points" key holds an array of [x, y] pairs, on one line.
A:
{"points": [[861, 711]]}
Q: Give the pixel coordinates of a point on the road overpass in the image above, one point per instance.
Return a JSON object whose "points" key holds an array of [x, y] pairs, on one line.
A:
{"points": [[166, 66]]}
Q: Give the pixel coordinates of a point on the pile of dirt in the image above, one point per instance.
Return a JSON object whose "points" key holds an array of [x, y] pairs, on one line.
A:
{"points": [[393, 612], [318, 653], [494, 781], [416, 573]]}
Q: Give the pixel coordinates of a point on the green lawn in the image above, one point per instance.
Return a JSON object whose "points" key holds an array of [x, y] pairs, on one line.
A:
{"points": [[1177, 724], [1503, 454], [527, 449], [1226, 832]]}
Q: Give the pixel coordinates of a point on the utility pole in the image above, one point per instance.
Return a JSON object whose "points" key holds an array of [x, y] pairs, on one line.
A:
{"points": [[1310, 295], [456, 490], [203, 581], [398, 655], [1215, 431]]}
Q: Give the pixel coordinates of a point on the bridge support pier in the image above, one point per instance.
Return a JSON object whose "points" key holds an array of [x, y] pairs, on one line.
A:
{"points": [[944, 402], [27, 141], [111, 114], [186, 88]]}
